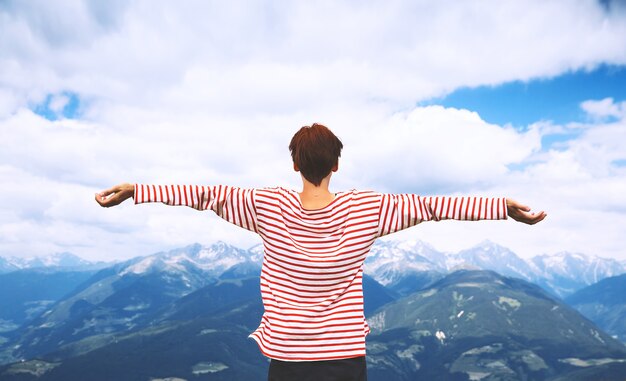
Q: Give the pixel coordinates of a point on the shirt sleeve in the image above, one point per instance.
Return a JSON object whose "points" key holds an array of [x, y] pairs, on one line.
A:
{"points": [[235, 205], [398, 212]]}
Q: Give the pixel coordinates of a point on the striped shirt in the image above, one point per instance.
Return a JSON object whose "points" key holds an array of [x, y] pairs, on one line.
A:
{"points": [[312, 272]]}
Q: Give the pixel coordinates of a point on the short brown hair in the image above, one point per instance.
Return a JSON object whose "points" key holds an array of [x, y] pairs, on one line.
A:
{"points": [[315, 150]]}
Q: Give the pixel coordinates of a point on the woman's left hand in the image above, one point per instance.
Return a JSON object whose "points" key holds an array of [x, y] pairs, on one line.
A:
{"points": [[522, 213]]}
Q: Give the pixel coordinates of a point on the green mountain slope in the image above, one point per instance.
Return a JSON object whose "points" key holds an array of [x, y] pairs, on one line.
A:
{"points": [[206, 348], [470, 325], [480, 325]]}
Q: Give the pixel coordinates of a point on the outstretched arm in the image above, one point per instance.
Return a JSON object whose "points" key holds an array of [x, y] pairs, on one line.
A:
{"points": [[115, 195], [236, 205], [399, 212]]}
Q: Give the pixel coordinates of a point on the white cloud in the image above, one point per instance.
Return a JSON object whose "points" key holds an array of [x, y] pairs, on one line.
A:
{"points": [[425, 150], [604, 108], [264, 57], [58, 102], [580, 186], [204, 92], [436, 149]]}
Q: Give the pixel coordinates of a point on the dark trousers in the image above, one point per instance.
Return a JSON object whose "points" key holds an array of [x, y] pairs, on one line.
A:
{"points": [[352, 369]]}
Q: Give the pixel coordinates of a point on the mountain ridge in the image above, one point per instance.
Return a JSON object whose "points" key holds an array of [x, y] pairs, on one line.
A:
{"points": [[389, 261], [60, 261]]}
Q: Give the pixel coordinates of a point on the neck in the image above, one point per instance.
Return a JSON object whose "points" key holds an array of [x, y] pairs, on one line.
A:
{"points": [[311, 189], [315, 196]]}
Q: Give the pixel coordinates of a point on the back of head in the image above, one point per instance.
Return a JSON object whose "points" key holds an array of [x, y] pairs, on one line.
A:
{"points": [[315, 150]]}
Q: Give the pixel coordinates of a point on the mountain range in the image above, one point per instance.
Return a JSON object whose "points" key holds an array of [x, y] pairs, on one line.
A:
{"points": [[390, 262], [561, 274], [55, 261], [186, 313], [128, 295], [470, 325]]}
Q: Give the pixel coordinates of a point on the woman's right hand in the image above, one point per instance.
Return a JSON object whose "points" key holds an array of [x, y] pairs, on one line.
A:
{"points": [[116, 195]]}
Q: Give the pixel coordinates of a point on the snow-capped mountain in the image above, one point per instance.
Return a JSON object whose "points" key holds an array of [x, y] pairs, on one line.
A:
{"points": [[491, 256], [391, 263], [65, 260], [404, 266], [587, 268], [212, 260], [132, 295], [257, 252], [566, 273], [7, 266], [129, 295]]}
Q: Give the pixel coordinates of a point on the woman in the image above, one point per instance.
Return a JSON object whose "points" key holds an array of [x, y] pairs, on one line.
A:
{"points": [[315, 243]]}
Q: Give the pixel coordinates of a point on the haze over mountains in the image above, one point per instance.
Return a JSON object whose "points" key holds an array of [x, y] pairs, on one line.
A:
{"points": [[187, 312], [65, 260]]}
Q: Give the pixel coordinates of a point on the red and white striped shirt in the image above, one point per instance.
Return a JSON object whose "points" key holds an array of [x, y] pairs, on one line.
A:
{"points": [[311, 278]]}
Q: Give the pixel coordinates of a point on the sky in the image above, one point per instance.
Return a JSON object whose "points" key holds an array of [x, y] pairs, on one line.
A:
{"points": [[521, 99]]}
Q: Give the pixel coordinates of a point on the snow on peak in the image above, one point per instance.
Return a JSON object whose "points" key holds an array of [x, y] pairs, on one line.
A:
{"points": [[62, 259], [53, 260], [143, 266], [586, 268], [490, 256], [391, 260], [405, 250], [211, 260]]}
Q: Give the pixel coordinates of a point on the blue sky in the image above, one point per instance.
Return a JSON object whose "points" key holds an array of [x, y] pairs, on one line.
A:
{"points": [[65, 105], [523, 99], [556, 99]]}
